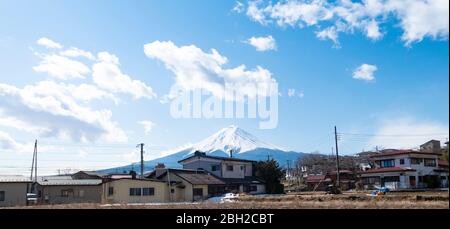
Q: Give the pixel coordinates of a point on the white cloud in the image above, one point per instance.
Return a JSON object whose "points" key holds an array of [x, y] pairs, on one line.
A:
{"points": [[301, 13], [418, 19], [329, 33], [62, 67], [263, 43], [196, 69], [255, 13], [8, 143], [238, 7], [365, 72], [301, 94], [76, 52], [108, 76], [407, 132], [373, 30], [48, 43], [148, 126], [292, 92], [54, 112], [424, 18]]}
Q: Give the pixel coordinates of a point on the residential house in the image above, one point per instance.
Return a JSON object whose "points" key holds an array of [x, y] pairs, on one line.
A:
{"points": [[432, 146], [88, 175], [405, 169], [317, 182], [187, 184], [236, 173], [13, 190], [132, 190], [64, 189], [347, 180]]}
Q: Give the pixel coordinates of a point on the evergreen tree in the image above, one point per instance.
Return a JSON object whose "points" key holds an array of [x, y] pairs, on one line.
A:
{"points": [[271, 173]]}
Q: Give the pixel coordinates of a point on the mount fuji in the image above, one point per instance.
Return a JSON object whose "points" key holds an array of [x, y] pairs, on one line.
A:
{"points": [[230, 139]]}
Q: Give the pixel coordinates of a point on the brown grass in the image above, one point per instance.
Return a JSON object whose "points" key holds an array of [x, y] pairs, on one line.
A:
{"points": [[393, 200]]}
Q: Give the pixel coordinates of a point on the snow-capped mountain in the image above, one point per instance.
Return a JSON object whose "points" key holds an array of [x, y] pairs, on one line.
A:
{"points": [[230, 139]]}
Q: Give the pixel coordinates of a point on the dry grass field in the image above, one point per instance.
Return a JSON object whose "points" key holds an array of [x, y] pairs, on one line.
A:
{"points": [[317, 200]]}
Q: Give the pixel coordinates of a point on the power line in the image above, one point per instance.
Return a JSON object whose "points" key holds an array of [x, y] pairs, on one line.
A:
{"points": [[396, 135]]}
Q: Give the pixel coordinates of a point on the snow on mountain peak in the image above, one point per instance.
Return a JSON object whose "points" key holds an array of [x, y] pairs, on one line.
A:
{"points": [[231, 138]]}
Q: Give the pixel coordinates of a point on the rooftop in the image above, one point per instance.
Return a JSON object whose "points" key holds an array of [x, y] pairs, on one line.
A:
{"points": [[203, 155], [386, 170], [199, 178], [246, 180], [193, 176], [14, 179], [401, 152], [52, 181], [315, 178]]}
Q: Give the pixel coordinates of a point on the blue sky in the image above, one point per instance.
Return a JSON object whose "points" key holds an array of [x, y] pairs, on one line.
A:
{"points": [[374, 68]]}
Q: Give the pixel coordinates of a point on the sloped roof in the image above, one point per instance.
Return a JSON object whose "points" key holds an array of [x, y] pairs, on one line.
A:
{"points": [[315, 178], [390, 169], [91, 173], [14, 179], [61, 182], [246, 180], [216, 157], [401, 152], [199, 178]]}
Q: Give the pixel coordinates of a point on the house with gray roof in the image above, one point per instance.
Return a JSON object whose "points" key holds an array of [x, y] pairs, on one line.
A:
{"points": [[66, 189], [236, 173], [13, 190]]}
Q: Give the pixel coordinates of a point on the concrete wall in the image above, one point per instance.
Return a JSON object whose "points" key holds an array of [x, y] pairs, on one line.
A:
{"points": [[205, 165], [237, 172], [422, 169], [260, 189], [403, 176], [51, 194], [122, 191], [15, 194], [183, 191]]}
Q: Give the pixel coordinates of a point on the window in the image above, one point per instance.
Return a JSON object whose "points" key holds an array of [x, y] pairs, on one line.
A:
{"points": [[214, 168], [387, 163], [197, 191], [135, 191], [66, 193], [148, 191], [229, 167], [172, 190], [2, 195], [81, 193], [429, 162], [391, 179], [402, 161], [371, 180], [416, 161], [242, 167], [110, 191], [420, 179], [253, 188]]}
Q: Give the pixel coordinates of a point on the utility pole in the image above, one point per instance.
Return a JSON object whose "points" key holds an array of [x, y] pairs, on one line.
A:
{"points": [[288, 173], [337, 157], [142, 159], [34, 168]]}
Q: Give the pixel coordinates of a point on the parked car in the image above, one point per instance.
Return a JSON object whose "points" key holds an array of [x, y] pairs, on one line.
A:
{"points": [[32, 198]]}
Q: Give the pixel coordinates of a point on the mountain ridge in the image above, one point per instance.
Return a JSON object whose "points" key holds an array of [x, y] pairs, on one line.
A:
{"points": [[243, 145]]}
